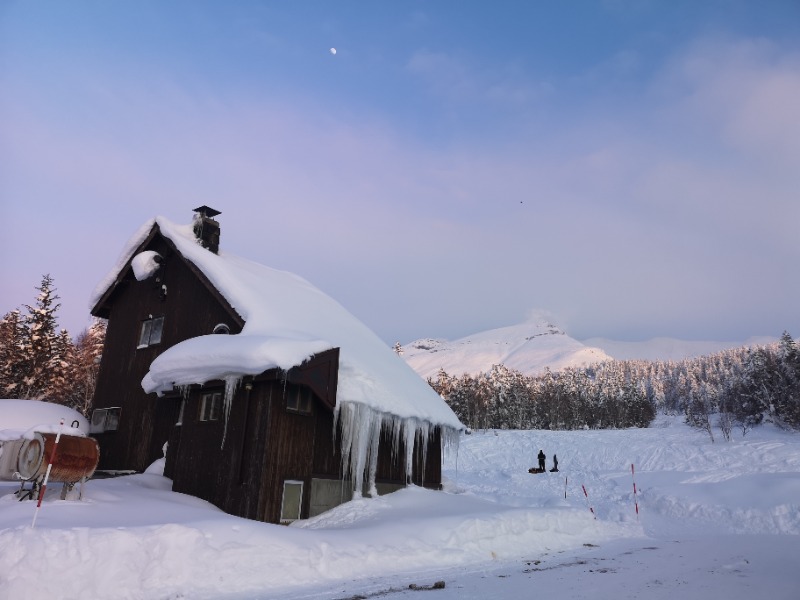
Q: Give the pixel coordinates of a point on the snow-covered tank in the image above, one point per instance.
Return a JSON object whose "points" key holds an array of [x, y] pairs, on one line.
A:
{"points": [[28, 431], [76, 458]]}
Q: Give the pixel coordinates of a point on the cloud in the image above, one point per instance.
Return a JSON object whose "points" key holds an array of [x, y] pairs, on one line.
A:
{"points": [[747, 90]]}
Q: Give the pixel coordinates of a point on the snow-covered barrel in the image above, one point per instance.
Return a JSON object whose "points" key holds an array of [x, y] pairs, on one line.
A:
{"points": [[76, 457]]}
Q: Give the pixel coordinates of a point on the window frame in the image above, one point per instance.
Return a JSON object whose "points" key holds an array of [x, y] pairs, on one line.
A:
{"points": [[151, 332], [284, 518], [299, 399], [105, 419], [210, 409]]}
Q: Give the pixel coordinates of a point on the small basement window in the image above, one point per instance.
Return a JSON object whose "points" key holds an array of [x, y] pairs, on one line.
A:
{"points": [[105, 419], [298, 399], [211, 406], [152, 329], [292, 502]]}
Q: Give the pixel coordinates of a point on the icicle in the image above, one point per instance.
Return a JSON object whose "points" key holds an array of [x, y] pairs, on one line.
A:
{"points": [[361, 426], [231, 383]]}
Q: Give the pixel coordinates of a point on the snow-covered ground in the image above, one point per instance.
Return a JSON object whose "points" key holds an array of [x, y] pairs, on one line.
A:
{"points": [[715, 520]]}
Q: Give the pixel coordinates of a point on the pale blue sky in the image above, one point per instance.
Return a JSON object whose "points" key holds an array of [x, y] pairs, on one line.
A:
{"points": [[630, 168]]}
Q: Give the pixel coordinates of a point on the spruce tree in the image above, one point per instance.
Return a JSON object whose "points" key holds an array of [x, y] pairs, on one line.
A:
{"points": [[41, 347], [13, 333]]}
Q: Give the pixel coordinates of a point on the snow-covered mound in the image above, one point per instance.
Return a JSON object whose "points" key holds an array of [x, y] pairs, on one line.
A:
{"points": [[19, 418], [709, 514], [530, 348]]}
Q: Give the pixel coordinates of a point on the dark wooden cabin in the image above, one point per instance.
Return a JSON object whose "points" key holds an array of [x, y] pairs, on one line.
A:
{"points": [[277, 456]]}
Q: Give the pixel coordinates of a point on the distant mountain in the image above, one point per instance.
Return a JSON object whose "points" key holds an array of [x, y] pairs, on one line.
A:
{"points": [[529, 348], [669, 348], [532, 347]]}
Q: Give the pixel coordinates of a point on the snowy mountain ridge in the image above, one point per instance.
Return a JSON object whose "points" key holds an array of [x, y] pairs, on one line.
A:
{"points": [[534, 346], [529, 347]]}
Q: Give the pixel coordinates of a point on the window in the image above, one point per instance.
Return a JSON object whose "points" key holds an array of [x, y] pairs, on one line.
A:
{"points": [[221, 328], [105, 419], [211, 406], [292, 503], [152, 329], [298, 399]]}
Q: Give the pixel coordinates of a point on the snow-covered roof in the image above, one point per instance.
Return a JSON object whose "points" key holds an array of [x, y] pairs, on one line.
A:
{"points": [[287, 320]]}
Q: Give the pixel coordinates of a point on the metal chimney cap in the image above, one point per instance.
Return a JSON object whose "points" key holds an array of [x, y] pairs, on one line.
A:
{"points": [[207, 211]]}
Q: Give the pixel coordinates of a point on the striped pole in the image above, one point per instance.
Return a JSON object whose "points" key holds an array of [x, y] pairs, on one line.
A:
{"points": [[587, 500], [635, 500], [565, 487], [47, 473]]}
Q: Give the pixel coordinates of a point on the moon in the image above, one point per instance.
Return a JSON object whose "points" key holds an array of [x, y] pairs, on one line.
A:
{"points": [[333, 50]]}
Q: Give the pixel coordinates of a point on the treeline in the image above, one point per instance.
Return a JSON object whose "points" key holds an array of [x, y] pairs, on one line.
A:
{"points": [[38, 361], [605, 396], [734, 388]]}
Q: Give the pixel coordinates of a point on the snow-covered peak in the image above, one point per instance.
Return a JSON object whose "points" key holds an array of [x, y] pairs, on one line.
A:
{"points": [[529, 347]]}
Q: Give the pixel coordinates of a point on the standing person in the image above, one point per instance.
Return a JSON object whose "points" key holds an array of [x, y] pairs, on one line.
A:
{"points": [[541, 458], [555, 464]]}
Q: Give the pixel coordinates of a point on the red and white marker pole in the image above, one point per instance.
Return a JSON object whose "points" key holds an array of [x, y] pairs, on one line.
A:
{"points": [[47, 473], [635, 500], [587, 500]]}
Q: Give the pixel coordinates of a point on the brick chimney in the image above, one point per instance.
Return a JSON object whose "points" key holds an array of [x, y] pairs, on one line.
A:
{"points": [[206, 228]]}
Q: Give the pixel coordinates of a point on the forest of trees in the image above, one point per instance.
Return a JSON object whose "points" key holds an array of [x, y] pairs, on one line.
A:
{"points": [[38, 361], [737, 388]]}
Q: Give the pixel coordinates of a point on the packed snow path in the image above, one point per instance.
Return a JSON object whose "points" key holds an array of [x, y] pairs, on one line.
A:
{"points": [[721, 517]]}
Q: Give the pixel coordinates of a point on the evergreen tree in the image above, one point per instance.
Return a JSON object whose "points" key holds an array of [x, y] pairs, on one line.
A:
{"points": [[13, 333], [787, 399], [40, 348]]}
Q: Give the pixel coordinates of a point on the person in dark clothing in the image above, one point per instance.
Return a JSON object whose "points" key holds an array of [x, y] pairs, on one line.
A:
{"points": [[541, 458], [555, 464]]}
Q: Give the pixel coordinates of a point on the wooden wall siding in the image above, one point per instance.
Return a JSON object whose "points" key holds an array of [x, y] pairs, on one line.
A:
{"points": [[266, 445], [327, 463], [289, 454], [321, 374], [189, 310]]}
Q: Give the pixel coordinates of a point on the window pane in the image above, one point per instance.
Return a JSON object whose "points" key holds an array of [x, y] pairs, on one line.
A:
{"points": [[144, 338], [158, 328], [305, 400], [292, 498], [211, 407], [216, 407], [98, 421], [291, 398], [112, 419]]}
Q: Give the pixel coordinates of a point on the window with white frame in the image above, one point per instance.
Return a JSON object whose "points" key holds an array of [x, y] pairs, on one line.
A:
{"points": [[211, 406], [298, 399], [292, 503], [105, 419], [152, 328]]}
